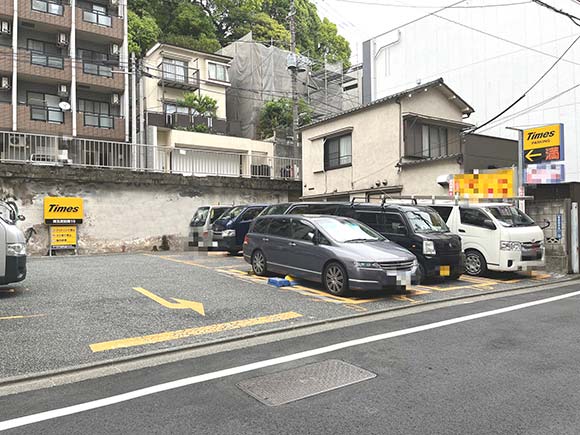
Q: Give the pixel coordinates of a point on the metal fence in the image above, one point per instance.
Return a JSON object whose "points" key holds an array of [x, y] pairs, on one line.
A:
{"points": [[68, 151]]}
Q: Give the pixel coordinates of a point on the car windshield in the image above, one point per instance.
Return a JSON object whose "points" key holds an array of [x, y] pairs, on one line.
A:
{"points": [[233, 213], [510, 216], [426, 221], [348, 231], [200, 216], [216, 213], [275, 209]]}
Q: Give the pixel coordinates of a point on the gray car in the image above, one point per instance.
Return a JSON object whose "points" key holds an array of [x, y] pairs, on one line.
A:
{"points": [[340, 252]]}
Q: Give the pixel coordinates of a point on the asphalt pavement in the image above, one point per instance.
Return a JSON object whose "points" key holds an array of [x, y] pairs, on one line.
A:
{"points": [[72, 312], [497, 366]]}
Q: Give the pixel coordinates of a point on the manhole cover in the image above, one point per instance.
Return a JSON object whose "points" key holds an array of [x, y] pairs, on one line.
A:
{"points": [[306, 381]]}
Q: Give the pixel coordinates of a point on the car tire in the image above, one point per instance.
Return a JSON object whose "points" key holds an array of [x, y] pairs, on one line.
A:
{"points": [[335, 279], [455, 276], [233, 252], [259, 265], [420, 276], [475, 264]]}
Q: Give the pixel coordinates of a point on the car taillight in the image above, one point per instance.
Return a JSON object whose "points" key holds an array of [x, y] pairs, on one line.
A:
{"points": [[246, 240]]}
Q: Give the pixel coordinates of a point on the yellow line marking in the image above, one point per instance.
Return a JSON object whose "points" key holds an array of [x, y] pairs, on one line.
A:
{"points": [[175, 260], [22, 316], [191, 332], [479, 280], [179, 304]]}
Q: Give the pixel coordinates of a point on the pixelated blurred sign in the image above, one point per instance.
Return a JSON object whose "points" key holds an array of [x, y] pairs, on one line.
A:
{"points": [[496, 184], [545, 173], [543, 144], [559, 226]]}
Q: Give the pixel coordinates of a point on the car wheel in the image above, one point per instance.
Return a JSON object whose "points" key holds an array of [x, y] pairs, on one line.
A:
{"points": [[259, 263], [455, 276], [420, 275], [233, 252], [335, 279], [475, 264]]}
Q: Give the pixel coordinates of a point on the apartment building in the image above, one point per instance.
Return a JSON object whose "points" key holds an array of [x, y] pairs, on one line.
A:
{"points": [[199, 143], [63, 69]]}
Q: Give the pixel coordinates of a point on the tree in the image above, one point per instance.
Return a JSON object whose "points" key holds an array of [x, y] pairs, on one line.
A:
{"points": [[200, 43], [277, 114], [336, 47], [202, 105], [143, 32]]}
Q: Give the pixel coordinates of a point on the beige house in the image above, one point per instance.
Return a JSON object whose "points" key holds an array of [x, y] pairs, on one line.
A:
{"points": [[197, 144], [408, 143]]}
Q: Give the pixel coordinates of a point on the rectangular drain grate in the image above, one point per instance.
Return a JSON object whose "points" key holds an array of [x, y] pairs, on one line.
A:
{"points": [[306, 381]]}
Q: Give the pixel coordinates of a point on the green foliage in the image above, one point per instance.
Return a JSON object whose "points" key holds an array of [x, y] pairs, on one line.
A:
{"points": [[201, 128], [278, 114], [202, 105], [143, 32], [201, 43]]}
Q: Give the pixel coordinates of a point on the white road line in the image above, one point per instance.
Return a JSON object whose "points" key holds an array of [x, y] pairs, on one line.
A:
{"points": [[94, 404]]}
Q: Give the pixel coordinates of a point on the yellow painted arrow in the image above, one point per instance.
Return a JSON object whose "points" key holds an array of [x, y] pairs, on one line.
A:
{"points": [[530, 155], [179, 304]]}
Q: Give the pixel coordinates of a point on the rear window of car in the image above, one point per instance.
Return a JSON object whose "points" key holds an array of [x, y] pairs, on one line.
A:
{"points": [[280, 227]]}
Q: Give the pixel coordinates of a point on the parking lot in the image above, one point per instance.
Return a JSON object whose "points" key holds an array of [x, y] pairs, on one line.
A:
{"points": [[74, 311]]}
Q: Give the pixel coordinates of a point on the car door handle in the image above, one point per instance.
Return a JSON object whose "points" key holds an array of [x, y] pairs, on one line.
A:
{"points": [[291, 244], [265, 239], [461, 231]]}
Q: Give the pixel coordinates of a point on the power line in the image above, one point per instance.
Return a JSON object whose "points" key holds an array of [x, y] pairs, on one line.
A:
{"points": [[558, 11], [391, 5], [528, 90]]}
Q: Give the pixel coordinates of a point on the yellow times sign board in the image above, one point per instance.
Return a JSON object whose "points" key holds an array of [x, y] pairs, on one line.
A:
{"points": [[63, 210], [63, 236], [499, 184], [543, 137]]}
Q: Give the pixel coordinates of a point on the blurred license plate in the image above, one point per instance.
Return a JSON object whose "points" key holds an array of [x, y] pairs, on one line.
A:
{"points": [[444, 270]]}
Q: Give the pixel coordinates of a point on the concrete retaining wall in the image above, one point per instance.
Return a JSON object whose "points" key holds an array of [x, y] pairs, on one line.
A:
{"points": [[128, 211]]}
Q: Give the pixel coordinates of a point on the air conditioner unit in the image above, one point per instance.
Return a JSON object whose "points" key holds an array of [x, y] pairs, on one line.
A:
{"points": [[62, 40], [114, 49], [17, 141], [115, 99], [5, 83], [62, 90], [5, 27]]}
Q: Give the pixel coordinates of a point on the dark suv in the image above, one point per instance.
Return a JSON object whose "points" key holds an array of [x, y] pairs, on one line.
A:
{"points": [[418, 228], [231, 227]]}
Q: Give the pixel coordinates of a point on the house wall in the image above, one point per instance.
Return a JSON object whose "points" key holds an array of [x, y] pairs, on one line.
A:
{"points": [[189, 139]]}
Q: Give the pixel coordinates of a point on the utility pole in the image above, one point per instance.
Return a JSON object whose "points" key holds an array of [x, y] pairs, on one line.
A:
{"points": [[133, 99], [294, 72]]}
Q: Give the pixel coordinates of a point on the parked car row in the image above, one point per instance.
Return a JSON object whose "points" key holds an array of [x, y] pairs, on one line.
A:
{"points": [[445, 239]]}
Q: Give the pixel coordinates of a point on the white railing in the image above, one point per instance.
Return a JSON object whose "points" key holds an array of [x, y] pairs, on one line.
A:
{"points": [[68, 151]]}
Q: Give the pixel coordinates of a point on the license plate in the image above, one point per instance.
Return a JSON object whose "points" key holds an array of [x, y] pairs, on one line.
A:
{"points": [[444, 270]]}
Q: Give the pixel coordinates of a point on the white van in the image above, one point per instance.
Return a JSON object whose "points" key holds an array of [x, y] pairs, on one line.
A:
{"points": [[495, 236], [200, 233]]}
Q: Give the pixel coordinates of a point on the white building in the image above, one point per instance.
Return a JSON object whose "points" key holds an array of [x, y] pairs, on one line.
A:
{"points": [[490, 56]]}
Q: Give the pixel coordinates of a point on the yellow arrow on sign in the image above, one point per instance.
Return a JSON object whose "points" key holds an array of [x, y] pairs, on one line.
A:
{"points": [[179, 304], [530, 155]]}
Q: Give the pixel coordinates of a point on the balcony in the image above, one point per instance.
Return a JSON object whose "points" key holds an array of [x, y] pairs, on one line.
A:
{"points": [[100, 126], [91, 23], [96, 74], [200, 124], [186, 79], [49, 12], [46, 66], [46, 120]]}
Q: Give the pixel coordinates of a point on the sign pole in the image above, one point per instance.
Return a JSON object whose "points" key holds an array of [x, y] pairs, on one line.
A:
{"points": [[521, 181]]}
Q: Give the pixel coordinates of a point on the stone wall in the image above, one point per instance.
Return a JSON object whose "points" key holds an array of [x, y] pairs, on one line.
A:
{"points": [[125, 210]]}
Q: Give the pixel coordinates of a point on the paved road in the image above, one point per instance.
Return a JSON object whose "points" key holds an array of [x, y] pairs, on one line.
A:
{"points": [[73, 311], [513, 371]]}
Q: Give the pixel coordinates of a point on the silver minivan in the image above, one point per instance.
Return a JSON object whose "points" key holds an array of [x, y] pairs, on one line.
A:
{"points": [[200, 233], [340, 252]]}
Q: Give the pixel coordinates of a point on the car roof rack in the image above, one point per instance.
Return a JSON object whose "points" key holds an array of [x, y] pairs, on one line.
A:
{"points": [[456, 199]]}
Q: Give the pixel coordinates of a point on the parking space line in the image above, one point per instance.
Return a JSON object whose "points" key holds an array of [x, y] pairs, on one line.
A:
{"points": [[191, 332], [22, 316]]}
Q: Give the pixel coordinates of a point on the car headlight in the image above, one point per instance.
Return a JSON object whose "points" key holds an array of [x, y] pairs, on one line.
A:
{"points": [[429, 247], [415, 263], [229, 233], [505, 245], [366, 265], [15, 249]]}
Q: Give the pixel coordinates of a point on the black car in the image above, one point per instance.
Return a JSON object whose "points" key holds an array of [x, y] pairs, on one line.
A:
{"points": [[418, 228]]}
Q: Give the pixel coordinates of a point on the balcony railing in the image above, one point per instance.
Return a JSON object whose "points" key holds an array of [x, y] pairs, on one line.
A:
{"points": [[98, 18], [179, 77], [200, 124], [57, 150], [97, 69], [49, 7], [48, 60]]}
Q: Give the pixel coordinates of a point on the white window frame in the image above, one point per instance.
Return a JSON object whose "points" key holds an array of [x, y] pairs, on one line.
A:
{"points": [[227, 70]]}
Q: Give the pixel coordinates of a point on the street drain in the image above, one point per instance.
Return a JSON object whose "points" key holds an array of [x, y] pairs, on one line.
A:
{"points": [[306, 381]]}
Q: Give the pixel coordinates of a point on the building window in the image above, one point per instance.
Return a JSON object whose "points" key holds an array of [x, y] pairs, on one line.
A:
{"points": [[338, 152], [96, 113], [170, 108], [94, 63], [425, 140], [174, 70], [97, 14], [44, 54], [44, 107], [48, 7], [218, 71]]}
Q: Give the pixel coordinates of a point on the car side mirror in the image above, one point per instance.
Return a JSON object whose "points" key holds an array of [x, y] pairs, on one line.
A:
{"points": [[313, 237], [488, 223], [546, 224]]}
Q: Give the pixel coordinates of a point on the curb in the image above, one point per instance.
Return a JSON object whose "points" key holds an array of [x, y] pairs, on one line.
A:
{"points": [[71, 371]]}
